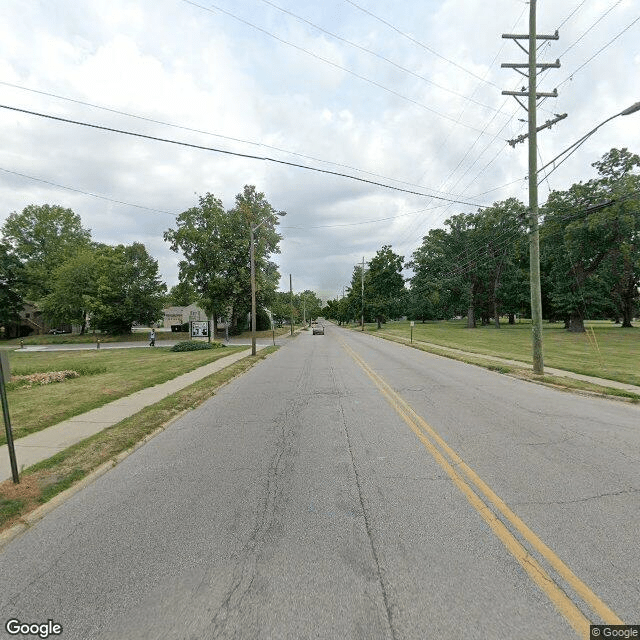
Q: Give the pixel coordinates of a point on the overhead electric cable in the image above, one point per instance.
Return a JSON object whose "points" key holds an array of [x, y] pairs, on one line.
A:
{"points": [[235, 153], [421, 44], [598, 52], [87, 193], [333, 64], [410, 232], [379, 56], [606, 13], [570, 15], [209, 133]]}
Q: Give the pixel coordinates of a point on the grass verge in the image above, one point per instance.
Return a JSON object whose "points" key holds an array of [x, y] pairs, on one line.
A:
{"points": [[105, 375], [522, 373], [46, 479]]}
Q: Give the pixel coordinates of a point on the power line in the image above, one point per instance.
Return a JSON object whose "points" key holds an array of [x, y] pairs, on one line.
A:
{"points": [[405, 236], [599, 51], [602, 17], [355, 224], [570, 15], [379, 56], [329, 62], [209, 133], [235, 153], [88, 193], [420, 44]]}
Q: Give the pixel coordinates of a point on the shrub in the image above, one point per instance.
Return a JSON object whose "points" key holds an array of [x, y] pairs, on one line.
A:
{"points": [[194, 345]]}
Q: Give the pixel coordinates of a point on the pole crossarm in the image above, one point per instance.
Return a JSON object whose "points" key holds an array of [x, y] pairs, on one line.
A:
{"points": [[526, 36], [547, 125], [525, 65], [539, 94]]}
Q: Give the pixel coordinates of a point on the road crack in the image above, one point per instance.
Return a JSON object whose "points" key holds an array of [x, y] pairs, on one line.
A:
{"points": [[367, 523]]}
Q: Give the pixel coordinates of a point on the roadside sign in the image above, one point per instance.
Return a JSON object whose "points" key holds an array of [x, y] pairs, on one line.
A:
{"points": [[5, 371], [413, 323], [199, 328]]}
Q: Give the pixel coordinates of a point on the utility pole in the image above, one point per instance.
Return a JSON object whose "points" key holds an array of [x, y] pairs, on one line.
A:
{"points": [[362, 281], [534, 241], [253, 293], [291, 294]]}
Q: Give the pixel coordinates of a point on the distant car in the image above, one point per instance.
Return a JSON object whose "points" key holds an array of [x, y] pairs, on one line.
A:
{"points": [[314, 322], [318, 329], [55, 332]]}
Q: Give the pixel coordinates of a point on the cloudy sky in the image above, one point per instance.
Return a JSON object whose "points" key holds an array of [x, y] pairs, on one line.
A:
{"points": [[406, 94]]}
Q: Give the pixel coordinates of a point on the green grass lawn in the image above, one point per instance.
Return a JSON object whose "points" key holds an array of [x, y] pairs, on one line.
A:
{"points": [[605, 351], [105, 376]]}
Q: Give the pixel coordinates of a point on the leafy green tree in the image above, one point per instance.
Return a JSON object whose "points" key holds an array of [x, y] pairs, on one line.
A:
{"points": [[44, 237], [621, 213], [199, 237], [182, 295], [590, 248], [215, 246], [12, 286], [73, 288], [312, 305], [252, 210], [281, 307], [500, 238], [128, 289], [385, 293]]}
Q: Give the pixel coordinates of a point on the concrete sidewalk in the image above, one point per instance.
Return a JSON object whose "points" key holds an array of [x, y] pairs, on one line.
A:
{"points": [[603, 382], [43, 444]]}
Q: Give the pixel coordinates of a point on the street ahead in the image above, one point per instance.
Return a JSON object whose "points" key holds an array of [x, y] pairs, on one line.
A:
{"points": [[348, 487]]}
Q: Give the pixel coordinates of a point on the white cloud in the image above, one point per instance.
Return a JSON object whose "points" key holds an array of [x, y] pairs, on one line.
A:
{"points": [[203, 70]]}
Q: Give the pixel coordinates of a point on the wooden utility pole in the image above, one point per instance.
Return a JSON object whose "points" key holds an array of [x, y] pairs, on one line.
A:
{"points": [[534, 241], [253, 293], [362, 282], [291, 294]]}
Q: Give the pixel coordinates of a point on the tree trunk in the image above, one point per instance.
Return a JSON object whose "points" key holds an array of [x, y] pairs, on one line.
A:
{"points": [[628, 300], [471, 312], [576, 323], [471, 318], [512, 318], [379, 322]]}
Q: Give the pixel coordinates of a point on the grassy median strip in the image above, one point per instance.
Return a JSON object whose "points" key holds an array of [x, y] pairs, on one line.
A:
{"points": [[104, 376], [44, 480], [523, 372]]}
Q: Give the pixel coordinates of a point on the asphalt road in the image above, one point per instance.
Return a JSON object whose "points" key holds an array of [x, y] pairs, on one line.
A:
{"points": [[348, 487]]}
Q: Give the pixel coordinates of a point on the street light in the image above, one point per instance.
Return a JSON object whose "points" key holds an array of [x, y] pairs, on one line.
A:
{"points": [[253, 279], [570, 150]]}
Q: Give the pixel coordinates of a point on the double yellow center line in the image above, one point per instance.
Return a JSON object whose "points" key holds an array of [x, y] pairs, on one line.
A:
{"points": [[472, 486]]}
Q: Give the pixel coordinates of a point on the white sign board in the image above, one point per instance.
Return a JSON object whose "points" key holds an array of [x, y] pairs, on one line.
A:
{"points": [[413, 323], [199, 328]]}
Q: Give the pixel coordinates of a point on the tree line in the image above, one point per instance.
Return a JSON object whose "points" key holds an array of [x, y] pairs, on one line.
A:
{"points": [[47, 257], [478, 264]]}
